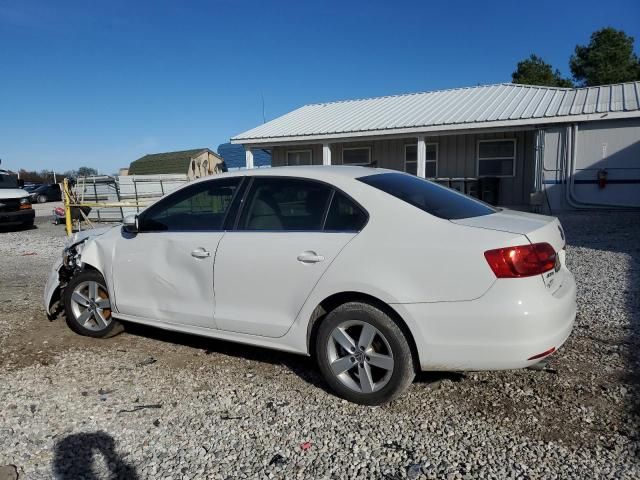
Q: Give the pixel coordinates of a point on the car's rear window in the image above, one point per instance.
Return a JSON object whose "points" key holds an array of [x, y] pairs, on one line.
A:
{"points": [[428, 196]]}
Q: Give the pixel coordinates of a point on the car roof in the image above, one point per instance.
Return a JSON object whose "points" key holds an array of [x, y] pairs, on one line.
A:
{"points": [[317, 172]]}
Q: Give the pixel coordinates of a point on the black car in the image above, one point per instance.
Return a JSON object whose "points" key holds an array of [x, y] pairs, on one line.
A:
{"points": [[46, 193], [31, 187]]}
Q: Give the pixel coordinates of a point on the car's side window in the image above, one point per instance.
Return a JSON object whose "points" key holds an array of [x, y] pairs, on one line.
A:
{"points": [[277, 204], [344, 215], [200, 207]]}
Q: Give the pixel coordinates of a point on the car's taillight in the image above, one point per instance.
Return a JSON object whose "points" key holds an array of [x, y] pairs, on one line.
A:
{"points": [[521, 261]]}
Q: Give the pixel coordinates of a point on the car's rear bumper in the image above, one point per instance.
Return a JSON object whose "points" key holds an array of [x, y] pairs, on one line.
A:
{"points": [[19, 217], [517, 319]]}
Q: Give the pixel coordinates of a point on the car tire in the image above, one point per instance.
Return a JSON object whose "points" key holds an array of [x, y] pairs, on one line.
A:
{"points": [[42, 199], [378, 364], [87, 306]]}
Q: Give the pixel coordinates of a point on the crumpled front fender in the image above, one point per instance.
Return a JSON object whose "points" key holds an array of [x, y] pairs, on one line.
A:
{"points": [[52, 288]]}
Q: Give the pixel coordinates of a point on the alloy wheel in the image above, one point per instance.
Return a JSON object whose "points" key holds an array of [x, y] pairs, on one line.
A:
{"points": [[360, 356], [91, 306]]}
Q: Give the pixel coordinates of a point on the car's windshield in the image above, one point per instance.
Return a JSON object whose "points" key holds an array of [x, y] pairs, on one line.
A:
{"points": [[8, 181], [428, 196]]}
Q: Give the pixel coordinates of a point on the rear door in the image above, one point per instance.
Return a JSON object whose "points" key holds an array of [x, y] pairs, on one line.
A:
{"points": [[288, 233]]}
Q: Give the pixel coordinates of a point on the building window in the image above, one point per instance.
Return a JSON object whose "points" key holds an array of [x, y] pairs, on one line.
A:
{"points": [[411, 160], [497, 158], [299, 157], [356, 156]]}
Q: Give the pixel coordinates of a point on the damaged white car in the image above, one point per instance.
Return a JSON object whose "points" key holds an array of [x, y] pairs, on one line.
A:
{"points": [[376, 273]]}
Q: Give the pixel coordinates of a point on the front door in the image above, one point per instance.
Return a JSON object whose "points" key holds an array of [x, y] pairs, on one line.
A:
{"points": [[268, 266], [165, 271]]}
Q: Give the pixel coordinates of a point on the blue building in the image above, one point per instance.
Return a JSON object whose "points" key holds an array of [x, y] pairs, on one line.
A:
{"points": [[234, 156]]}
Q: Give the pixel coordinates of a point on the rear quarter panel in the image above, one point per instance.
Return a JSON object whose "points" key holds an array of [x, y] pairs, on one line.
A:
{"points": [[405, 255]]}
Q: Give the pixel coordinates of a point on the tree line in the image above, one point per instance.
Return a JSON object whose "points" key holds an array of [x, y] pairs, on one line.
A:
{"points": [[48, 176], [608, 58]]}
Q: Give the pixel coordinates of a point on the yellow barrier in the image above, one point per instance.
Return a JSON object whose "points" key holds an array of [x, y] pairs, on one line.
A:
{"points": [[67, 207]]}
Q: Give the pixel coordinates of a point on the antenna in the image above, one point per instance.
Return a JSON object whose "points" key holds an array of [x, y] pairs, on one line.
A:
{"points": [[264, 120]]}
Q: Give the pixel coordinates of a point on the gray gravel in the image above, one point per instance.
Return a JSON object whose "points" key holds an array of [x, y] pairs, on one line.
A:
{"points": [[149, 404]]}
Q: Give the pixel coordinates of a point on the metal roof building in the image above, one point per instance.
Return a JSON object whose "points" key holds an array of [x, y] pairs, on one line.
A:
{"points": [[491, 134], [487, 106]]}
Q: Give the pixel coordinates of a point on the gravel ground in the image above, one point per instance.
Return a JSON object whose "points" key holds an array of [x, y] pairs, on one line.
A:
{"points": [[148, 404]]}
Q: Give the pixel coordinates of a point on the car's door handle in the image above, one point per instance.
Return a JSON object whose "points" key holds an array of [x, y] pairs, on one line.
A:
{"points": [[310, 257], [200, 253]]}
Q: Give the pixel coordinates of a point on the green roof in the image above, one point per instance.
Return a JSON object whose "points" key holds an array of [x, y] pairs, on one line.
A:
{"points": [[169, 162]]}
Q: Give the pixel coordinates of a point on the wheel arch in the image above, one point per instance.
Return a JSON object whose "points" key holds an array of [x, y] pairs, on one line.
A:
{"points": [[334, 301], [95, 259]]}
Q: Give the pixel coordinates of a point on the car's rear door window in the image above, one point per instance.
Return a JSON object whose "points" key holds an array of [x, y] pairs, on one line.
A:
{"points": [[277, 204], [439, 201]]}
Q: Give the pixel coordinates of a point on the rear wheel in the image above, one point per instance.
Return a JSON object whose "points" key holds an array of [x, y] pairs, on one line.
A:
{"points": [[87, 305], [42, 198], [363, 354]]}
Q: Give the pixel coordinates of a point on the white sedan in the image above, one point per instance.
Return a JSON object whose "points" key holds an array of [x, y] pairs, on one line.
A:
{"points": [[377, 274]]}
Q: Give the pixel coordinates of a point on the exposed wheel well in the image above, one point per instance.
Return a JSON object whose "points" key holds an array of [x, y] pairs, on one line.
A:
{"points": [[335, 300]]}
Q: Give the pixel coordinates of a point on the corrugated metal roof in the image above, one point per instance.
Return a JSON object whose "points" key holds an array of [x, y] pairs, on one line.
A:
{"points": [[473, 107]]}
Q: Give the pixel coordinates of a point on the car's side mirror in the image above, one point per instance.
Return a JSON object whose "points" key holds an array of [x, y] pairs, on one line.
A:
{"points": [[130, 223]]}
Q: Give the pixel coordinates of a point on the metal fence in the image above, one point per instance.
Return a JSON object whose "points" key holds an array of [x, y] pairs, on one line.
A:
{"points": [[124, 195]]}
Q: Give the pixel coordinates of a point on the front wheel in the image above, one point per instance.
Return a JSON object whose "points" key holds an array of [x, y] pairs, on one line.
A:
{"points": [[42, 199], [363, 354], [87, 305]]}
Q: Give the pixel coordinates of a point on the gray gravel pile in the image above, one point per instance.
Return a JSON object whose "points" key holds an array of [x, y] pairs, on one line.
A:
{"points": [[148, 404]]}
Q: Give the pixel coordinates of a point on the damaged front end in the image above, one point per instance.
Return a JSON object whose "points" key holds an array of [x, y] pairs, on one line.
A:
{"points": [[64, 270]]}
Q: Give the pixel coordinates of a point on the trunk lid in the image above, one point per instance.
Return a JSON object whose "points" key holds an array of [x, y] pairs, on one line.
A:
{"points": [[537, 229]]}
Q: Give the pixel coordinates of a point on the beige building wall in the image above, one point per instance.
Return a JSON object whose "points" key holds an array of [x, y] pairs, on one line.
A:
{"points": [[204, 164]]}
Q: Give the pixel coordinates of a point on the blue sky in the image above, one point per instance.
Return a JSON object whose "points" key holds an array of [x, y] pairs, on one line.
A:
{"points": [[102, 83]]}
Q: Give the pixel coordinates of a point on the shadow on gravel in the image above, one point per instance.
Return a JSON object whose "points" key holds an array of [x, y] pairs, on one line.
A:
{"points": [[301, 365], [74, 457], [435, 377]]}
